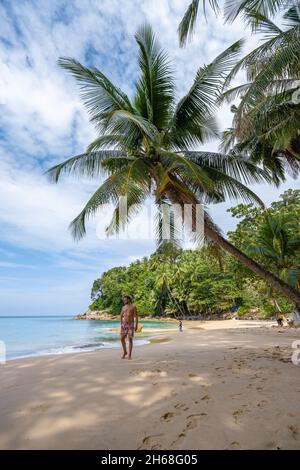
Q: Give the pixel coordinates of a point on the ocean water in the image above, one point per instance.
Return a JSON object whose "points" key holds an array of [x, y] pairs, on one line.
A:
{"points": [[51, 335]]}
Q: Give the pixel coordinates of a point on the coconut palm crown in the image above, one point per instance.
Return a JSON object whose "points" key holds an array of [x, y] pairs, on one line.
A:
{"points": [[145, 145]]}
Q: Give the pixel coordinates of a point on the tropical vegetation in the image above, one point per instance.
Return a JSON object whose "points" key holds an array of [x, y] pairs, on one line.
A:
{"points": [[177, 283]]}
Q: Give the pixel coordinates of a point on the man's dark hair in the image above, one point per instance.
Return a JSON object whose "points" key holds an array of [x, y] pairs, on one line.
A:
{"points": [[127, 297]]}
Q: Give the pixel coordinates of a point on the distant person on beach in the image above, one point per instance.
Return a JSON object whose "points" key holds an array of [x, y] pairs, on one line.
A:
{"points": [[128, 317], [180, 325], [280, 318], [234, 310]]}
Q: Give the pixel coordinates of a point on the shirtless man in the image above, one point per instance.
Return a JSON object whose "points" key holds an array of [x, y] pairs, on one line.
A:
{"points": [[128, 315]]}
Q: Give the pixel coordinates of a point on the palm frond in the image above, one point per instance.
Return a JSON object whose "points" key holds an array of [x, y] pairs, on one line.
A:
{"points": [[292, 277], [200, 101], [113, 140], [233, 93], [168, 227], [230, 188], [99, 94], [155, 87], [254, 61], [187, 169], [121, 218], [86, 164], [233, 8], [187, 24], [236, 166], [107, 193], [228, 140], [130, 182], [121, 118], [292, 15], [260, 23]]}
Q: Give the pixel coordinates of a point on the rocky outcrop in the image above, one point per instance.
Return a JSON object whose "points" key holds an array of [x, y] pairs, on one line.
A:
{"points": [[96, 315]]}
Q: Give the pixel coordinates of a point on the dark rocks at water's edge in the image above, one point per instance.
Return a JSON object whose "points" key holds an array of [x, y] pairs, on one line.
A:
{"points": [[96, 315], [101, 315]]}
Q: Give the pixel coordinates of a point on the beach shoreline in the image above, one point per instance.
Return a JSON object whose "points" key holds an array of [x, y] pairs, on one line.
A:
{"points": [[54, 336], [217, 385]]}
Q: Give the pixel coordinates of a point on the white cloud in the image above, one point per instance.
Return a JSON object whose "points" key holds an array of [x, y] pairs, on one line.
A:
{"points": [[35, 213]]}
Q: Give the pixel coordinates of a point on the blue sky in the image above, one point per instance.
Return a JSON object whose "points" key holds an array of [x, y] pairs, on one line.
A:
{"points": [[42, 270]]}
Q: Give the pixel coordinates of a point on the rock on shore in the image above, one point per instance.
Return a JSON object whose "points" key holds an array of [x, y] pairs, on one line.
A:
{"points": [[96, 315]]}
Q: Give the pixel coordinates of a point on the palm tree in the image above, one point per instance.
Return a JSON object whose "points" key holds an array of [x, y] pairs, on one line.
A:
{"points": [[145, 146], [268, 135], [266, 120], [278, 243], [268, 102]]}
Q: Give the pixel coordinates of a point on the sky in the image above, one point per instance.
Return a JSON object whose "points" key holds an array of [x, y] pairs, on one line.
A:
{"points": [[42, 122]]}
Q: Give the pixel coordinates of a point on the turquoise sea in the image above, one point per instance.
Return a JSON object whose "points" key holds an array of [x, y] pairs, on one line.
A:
{"points": [[27, 336]]}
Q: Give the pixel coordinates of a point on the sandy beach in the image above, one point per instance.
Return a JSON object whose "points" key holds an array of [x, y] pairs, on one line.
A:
{"points": [[217, 385]]}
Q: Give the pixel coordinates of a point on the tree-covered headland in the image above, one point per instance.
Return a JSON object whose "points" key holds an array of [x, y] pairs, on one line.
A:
{"points": [[175, 282]]}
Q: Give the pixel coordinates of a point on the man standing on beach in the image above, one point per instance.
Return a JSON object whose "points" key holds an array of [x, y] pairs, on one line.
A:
{"points": [[128, 316]]}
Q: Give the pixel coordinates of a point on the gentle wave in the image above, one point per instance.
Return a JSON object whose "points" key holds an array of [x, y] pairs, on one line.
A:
{"points": [[76, 349]]}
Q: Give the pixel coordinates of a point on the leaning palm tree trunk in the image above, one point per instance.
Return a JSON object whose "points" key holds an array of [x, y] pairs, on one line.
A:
{"points": [[270, 278], [212, 233]]}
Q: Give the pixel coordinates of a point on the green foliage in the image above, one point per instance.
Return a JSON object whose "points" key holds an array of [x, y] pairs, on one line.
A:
{"points": [[189, 283], [272, 237]]}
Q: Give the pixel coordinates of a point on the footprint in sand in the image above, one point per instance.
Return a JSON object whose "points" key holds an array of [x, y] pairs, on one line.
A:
{"points": [[181, 406], [237, 414], [234, 445], [178, 440], [206, 398], [167, 416], [150, 442], [294, 431], [262, 403], [192, 420]]}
